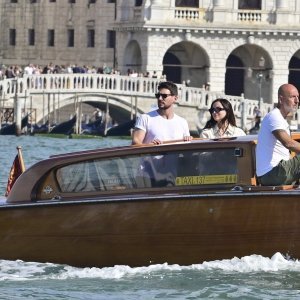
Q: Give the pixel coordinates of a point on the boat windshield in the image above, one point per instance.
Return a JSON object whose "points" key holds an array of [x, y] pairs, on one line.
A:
{"points": [[178, 168]]}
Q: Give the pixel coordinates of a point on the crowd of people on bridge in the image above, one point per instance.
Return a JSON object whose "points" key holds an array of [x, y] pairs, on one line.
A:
{"points": [[14, 71]]}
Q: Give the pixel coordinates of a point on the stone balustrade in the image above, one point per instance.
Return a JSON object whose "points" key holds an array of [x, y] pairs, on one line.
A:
{"points": [[249, 15], [190, 97]]}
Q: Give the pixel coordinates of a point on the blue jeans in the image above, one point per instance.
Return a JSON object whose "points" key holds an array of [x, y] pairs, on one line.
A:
{"points": [[286, 172]]}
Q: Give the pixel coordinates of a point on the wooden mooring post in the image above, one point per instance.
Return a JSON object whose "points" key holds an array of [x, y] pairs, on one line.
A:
{"points": [[17, 110]]}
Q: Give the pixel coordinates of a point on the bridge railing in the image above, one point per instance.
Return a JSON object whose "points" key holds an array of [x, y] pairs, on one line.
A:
{"points": [[120, 85], [79, 83]]}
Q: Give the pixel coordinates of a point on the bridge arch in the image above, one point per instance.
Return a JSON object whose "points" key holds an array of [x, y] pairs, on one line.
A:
{"points": [[120, 109]]}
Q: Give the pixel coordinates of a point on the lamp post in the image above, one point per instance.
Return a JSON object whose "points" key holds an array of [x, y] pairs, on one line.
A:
{"points": [[259, 77]]}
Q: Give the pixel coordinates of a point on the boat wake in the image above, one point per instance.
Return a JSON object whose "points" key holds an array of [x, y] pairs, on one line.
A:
{"points": [[21, 271]]}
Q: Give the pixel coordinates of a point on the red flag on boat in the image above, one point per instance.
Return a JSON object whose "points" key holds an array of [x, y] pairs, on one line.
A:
{"points": [[16, 170]]}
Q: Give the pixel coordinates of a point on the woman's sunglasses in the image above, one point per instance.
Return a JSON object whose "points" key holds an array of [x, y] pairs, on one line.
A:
{"points": [[215, 109], [164, 96]]}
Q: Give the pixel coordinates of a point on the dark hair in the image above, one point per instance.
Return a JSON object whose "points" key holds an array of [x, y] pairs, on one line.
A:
{"points": [[171, 86], [229, 114]]}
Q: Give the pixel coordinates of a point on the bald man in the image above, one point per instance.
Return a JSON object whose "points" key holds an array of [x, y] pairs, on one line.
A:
{"points": [[274, 166]]}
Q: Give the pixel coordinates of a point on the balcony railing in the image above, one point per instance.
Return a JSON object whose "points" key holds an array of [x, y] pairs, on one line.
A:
{"points": [[249, 15], [137, 13], [187, 13]]}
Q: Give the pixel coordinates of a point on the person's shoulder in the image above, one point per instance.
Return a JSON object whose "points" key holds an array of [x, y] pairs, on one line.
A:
{"points": [[274, 115], [274, 111], [148, 114], [233, 130], [239, 131], [207, 129], [152, 113], [207, 133]]}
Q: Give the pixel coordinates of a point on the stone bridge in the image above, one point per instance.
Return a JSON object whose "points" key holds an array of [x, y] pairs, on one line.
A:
{"points": [[122, 96]]}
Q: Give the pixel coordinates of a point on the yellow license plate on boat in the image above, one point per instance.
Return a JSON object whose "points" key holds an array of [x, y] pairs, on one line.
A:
{"points": [[208, 179]]}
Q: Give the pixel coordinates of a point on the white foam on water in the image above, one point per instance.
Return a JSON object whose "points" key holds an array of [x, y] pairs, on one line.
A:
{"points": [[252, 263], [20, 270]]}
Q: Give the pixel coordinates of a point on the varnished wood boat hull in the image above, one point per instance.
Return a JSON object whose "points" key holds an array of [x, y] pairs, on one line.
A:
{"points": [[173, 229]]}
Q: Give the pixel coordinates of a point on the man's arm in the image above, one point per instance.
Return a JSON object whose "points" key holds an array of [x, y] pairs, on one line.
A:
{"points": [[286, 140], [138, 136]]}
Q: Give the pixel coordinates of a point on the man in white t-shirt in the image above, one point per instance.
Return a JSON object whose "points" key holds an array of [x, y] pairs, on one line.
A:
{"points": [[274, 166], [162, 124], [28, 70]]}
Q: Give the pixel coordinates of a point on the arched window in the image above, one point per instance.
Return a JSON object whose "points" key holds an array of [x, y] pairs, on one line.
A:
{"points": [[187, 3], [250, 4]]}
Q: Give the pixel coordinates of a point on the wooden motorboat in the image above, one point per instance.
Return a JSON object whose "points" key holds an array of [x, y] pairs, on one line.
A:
{"points": [[177, 203]]}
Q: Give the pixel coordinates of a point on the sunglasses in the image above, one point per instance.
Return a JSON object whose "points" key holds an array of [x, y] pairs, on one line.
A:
{"points": [[164, 96], [215, 110]]}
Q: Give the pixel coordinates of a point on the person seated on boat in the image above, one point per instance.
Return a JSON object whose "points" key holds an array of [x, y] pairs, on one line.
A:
{"points": [[97, 114], [161, 124], [222, 121], [274, 166]]}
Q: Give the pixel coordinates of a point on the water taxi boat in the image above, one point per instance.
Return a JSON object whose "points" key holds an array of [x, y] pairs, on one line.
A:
{"points": [[177, 203]]}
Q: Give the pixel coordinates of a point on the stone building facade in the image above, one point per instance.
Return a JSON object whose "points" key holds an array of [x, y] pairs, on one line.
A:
{"points": [[58, 31], [236, 46]]}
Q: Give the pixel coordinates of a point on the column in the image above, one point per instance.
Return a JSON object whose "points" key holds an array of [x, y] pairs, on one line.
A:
{"points": [[219, 11], [281, 4], [218, 3], [283, 15], [161, 10]]}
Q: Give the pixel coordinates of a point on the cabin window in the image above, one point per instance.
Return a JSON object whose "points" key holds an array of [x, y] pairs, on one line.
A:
{"points": [[99, 175], [179, 168]]}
